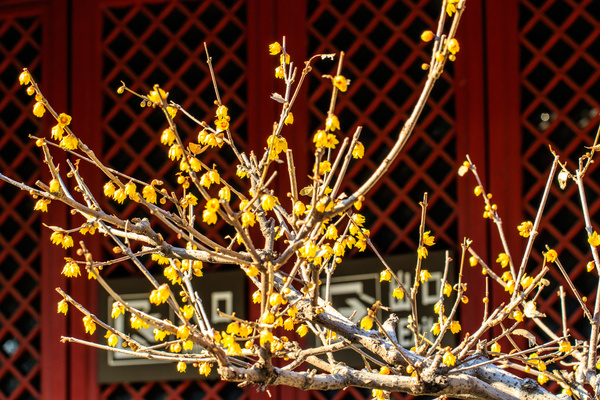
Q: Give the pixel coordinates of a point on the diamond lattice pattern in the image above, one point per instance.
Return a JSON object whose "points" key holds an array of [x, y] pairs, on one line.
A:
{"points": [[383, 60], [560, 80], [20, 44], [162, 44]]}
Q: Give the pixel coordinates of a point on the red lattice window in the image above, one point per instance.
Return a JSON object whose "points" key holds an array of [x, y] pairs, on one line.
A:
{"points": [[20, 44], [162, 43], [383, 60], [560, 78]]}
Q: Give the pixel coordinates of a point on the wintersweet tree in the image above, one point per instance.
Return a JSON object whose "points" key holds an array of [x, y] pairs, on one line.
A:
{"points": [[289, 246]]}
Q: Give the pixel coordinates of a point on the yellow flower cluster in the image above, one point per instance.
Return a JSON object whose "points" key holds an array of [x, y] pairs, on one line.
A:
{"points": [[276, 145], [428, 240]]}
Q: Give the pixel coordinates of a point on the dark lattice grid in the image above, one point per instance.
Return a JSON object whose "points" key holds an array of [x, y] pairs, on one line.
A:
{"points": [[383, 59], [20, 43], [162, 44], [560, 79]]}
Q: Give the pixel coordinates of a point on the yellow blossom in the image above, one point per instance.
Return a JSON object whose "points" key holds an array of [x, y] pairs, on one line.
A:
{"points": [[503, 259], [268, 202], [183, 332], [268, 318], [451, 7], [299, 208], [427, 36], [175, 152], [252, 271], [64, 119], [288, 324], [398, 293], [428, 240], [358, 151], [526, 281], [564, 346], [221, 125], [222, 112], [130, 189], [453, 46], [332, 123], [594, 239], [159, 335], [366, 323], [496, 348], [89, 324], [54, 185], [279, 72], [424, 276], [422, 252], [341, 83], [25, 77], [225, 193], [256, 297], [248, 219], [438, 307], [56, 238], [542, 378], [149, 194], [309, 250], [160, 295], [436, 328], [137, 322], [42, 205], [449, 359], [157, 95], [302, 330], [109, 189], [455, 327], [117, 309], [71, 270], [204, 369], [189, 199], [551, 255], [477, 190], [274, 48], [447, 289], [385, 275], [67, 242], [168, 137], [525, 228], [324, 167], [63, 307], [175, 347], [39, 109], [473, 261], [284, 59], [275, 299], [590, 266], [289, 120], [57, 132], [69, 142], [510, 287], [331, 233], [266, 336], [112, 340], [181, 366], [518, 315]]}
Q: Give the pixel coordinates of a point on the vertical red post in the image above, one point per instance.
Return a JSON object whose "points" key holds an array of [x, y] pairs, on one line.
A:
{"points": [[471, 140], [54, 363]]}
